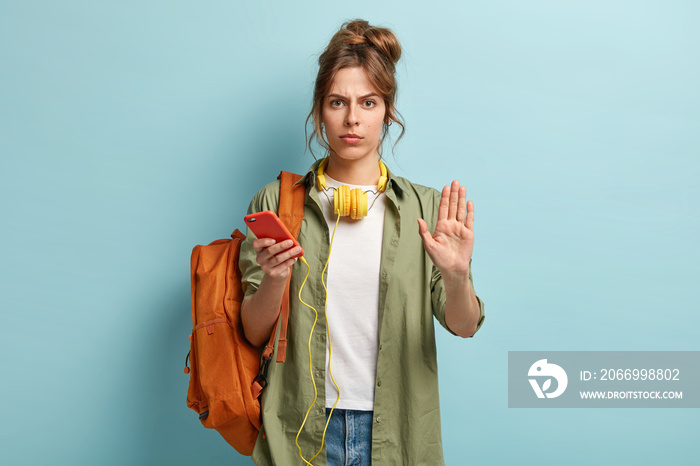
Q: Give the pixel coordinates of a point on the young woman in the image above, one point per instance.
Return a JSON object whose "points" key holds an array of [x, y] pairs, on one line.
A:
{"points": [[360, 381]]}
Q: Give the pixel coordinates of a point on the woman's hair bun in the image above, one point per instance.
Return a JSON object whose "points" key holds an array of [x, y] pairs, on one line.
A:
{"points": [[360, 31]]}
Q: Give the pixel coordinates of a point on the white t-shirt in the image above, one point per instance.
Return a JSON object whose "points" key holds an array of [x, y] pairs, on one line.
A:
{"points": [[353, 300]]}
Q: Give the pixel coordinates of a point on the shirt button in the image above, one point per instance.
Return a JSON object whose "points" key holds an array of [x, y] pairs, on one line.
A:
{"points": [[379, 383], [395, 241], [384, 274], [380, 346], [321, 411], [319, 374], [379, 419]]}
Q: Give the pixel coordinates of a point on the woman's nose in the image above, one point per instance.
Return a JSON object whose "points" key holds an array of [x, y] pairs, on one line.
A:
{"points": [[351, 118]]}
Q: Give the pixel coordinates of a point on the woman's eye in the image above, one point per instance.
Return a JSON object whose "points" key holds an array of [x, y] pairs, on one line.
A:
{"points": [[336, 103], [370, 104]]}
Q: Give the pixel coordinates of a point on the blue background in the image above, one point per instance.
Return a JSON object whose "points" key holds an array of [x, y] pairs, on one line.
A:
{"points": [[131, 131]]}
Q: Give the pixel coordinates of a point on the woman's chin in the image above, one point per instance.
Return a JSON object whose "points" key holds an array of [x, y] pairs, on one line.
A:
{"points": [[353, 153]]}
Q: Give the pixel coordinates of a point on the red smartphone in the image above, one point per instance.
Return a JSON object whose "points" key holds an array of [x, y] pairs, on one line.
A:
{"points": [[268, 225]]}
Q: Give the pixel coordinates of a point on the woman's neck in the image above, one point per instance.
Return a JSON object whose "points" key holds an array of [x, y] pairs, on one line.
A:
{"points": [[363, 172]]}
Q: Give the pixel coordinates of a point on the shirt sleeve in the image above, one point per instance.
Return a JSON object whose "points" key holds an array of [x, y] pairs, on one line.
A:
{"points": [[438, 295]]}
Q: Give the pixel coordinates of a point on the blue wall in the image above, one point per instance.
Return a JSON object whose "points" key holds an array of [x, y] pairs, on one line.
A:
{"points": [[131, 131]]}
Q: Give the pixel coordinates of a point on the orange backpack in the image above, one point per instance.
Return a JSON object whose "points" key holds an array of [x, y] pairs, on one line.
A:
{"points": [[228, 374]]}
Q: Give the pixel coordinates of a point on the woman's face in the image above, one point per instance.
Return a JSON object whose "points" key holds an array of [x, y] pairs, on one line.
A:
{"points": [[353, 106]]}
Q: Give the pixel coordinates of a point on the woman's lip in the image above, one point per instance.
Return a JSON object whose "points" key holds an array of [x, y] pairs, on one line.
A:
{"points": [[351, 140]]}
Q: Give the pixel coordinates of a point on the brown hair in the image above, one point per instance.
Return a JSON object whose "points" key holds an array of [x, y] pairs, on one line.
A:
{"points": [[374, 49]]}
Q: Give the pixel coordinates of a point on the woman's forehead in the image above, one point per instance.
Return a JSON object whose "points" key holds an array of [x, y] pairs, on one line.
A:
{"points": [[351, 82]]}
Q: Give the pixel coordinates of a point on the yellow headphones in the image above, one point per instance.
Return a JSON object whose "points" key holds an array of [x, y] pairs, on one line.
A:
{"points": [[349, 201]]}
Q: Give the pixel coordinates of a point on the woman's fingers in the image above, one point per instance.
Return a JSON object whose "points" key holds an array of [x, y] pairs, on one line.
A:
{"points": [[286, 255], [470, 215], [277, 248], [453, 203], [444, 208], [267, 247], [462, 205], [261, 244], [424, 232], [273, 257], [454, 200], [281, 269]]}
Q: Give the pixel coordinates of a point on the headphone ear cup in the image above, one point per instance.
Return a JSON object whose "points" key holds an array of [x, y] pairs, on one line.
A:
{"points": [[362, 200], [347, 199], [342, 200], [353, 204], [359, 204]]}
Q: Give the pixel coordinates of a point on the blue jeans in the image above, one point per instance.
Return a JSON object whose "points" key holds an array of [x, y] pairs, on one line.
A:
{"points": [[349, 438]]}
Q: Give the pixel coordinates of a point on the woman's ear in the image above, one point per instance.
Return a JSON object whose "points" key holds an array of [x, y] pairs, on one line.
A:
{"points": [[388, 114], [322, 131]]}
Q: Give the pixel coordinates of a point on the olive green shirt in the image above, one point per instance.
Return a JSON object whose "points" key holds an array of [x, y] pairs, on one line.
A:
{"points": [[406, 428]]}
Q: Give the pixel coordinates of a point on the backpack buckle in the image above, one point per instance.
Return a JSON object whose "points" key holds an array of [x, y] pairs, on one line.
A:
{"points": [[261, 378]]}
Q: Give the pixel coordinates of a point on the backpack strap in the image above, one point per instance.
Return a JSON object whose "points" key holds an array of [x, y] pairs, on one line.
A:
{"points": [[291, 208], [291, 212]]}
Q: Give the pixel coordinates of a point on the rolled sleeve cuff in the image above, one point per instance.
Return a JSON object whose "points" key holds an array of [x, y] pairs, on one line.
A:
{"points": [[481, 315]]}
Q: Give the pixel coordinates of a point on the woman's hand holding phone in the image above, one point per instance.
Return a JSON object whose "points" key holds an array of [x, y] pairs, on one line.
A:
{"points": [[276, 249], [276, 258]]}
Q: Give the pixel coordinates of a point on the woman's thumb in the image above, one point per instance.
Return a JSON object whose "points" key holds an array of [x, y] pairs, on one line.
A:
{"points": [[424, 232]]}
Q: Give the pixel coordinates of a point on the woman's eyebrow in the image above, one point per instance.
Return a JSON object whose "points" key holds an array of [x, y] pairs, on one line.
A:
{"points": [[373, 94]]}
